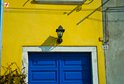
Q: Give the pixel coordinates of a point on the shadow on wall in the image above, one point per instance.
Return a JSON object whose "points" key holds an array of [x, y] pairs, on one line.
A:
{"points": [[50, 42]]}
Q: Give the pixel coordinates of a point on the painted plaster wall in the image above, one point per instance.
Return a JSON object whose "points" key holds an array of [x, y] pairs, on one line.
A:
{"points": [[27, 24], [114, 55]]}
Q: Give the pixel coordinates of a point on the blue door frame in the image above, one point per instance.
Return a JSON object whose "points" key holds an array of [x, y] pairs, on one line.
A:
{"points": [[1, 14], [59, 68]]}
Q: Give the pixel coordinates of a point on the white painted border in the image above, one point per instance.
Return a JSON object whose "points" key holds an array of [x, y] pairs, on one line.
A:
{"points": [[62, 49]]}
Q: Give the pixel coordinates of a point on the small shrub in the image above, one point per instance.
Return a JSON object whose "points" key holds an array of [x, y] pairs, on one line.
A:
{"points": [[15, 76]]}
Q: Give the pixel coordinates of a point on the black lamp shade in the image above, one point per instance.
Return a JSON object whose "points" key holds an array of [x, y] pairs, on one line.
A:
{"points": [[60, 32]]}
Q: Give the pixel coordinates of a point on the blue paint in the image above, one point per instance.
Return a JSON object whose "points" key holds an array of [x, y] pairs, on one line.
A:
{"points": [[59, 68], [1, 14]]}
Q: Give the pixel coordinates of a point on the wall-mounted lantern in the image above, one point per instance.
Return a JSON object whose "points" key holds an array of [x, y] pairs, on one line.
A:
{"points": [[60, 32]]}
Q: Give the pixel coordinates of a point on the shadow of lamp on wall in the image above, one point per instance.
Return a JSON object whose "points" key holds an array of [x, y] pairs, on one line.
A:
{"points": [[60, 32], [51, 41]]}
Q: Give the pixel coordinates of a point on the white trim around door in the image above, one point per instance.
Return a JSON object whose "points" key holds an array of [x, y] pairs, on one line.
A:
{"points": [[62, 49]]}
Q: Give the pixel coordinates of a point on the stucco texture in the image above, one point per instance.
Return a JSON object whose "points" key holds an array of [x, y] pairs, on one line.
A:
{"points": [[28, 24], [114, 54]]}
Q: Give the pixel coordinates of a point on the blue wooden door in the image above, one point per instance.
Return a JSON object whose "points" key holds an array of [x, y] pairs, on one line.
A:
{"points": [[59, 68]]}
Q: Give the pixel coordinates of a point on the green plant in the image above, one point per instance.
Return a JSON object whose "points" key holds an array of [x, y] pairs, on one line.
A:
{"points": [[11, 76]]}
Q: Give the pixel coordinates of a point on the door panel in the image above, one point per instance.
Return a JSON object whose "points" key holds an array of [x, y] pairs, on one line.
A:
{"points": [[73, 68], [43, 68], [60, 68]]}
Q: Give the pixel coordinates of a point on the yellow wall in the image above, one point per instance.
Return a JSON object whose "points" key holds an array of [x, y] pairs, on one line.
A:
{"points": [[35, 25]]}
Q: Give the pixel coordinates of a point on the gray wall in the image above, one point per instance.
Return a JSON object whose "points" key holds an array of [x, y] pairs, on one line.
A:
{"points": [[115, 53]]}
